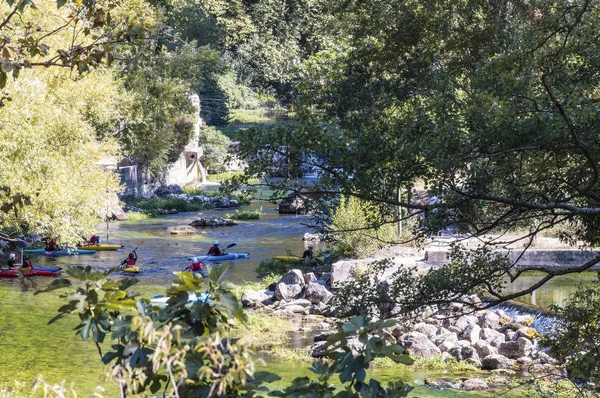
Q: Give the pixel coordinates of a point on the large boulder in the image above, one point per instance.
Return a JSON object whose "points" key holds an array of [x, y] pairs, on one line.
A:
{"points": [[474, 385], [516, 349], [293, 277], [492, 337], [301, 302], [443, 338], [418, 344], [253, 298], [317, 293], [489, 320], [461, 322], [212, 222], [285, 292], [497, 362], [293, 204], [484, 349], [471, 333], [462, 353], [165, 190], [427, 329]]}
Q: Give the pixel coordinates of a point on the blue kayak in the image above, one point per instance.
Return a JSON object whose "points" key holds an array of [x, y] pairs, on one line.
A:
{"points": [[60, 252], [161, 300], [51, 269], [224, 257]]}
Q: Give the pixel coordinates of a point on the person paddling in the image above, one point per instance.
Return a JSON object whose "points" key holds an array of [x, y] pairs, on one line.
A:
{"points": [[51, 246], [214, 249], [130, 260], [308, 253], [26, 263], [11, 260], [196, 265]]}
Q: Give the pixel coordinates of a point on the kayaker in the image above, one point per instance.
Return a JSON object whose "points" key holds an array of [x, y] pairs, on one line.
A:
{"points": [[26, 263], [195, 266], [308, 253], [214, 249], [130, 260], [51, 246], [94, 240], [11, 260]]}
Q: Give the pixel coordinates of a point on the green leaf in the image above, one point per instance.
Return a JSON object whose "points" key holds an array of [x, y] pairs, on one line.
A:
{"points": [[55, 285], [266, 377], [60, 3]]}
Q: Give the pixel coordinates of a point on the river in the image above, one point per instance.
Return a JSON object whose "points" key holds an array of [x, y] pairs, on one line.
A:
{"points": [[28, 346]]}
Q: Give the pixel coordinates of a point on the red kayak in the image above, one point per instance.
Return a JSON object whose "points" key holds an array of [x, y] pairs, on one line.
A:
{"points": [[13, 273]]}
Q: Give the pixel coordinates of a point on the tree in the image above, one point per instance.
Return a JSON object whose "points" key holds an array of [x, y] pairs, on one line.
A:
{"points": [[71, 34], [53, 181], [491, 106]]}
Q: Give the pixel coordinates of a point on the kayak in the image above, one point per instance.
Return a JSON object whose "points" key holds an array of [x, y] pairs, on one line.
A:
{"points": [[99, 247], [228, 256], [293, 259], [36, 268], [161, 300], [60, 252], [131, 270], [51, 269], [13, 273]]}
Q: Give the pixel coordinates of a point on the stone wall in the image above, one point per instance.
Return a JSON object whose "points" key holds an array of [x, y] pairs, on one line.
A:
{"points": [[530, 259]]}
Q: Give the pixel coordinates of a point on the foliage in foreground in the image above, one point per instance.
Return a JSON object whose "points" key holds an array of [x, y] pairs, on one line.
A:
{"points": [[576, 337], [188, 349]]}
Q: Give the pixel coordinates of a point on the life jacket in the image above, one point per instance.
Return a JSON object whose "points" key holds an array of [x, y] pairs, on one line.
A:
{"points": [[131, 261], [196, 266], [214, 251], [51, 245], [93, 240]]}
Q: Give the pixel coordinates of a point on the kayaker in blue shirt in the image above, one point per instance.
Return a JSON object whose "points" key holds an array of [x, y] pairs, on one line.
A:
{"points": [[214, 249]]}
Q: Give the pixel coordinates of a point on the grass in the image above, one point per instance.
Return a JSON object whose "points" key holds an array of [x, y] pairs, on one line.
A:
{"points": [[154, 205], [243, 119], [245, 215], [264, 331], [239, 290], [137, 216]]}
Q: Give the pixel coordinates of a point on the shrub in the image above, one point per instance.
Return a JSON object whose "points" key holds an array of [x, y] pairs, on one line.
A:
{"points": [[137, 216], [353, 232], [154, 205], [245, 215], [276, 267]]}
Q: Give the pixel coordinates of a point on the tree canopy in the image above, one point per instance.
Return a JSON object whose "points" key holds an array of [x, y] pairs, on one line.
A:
{"points": [[490, 106]]}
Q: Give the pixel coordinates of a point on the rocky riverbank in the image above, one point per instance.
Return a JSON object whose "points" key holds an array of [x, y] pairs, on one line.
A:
{"points": [[489, 340]]}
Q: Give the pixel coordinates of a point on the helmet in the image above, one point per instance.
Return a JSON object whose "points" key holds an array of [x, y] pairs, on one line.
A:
{"points": [[11, 256], [131, 255], [216, 243], [310, 246]]}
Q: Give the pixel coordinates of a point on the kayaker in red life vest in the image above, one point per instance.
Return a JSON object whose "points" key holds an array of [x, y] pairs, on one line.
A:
{"points": [[94, 240], [195, 266], [51, 246], [130, 260], [214, 249], [26, 263]]}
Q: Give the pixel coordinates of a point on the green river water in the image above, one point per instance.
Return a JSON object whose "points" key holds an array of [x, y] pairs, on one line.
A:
{"points": [[30, 347]]}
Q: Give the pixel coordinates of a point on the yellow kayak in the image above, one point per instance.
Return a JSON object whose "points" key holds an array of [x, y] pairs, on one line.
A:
{"points": [[100, 247], [132, 270], [293, 259]]}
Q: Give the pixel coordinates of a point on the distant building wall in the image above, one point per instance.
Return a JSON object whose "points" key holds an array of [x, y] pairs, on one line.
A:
{"points": [[185, 170]]}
